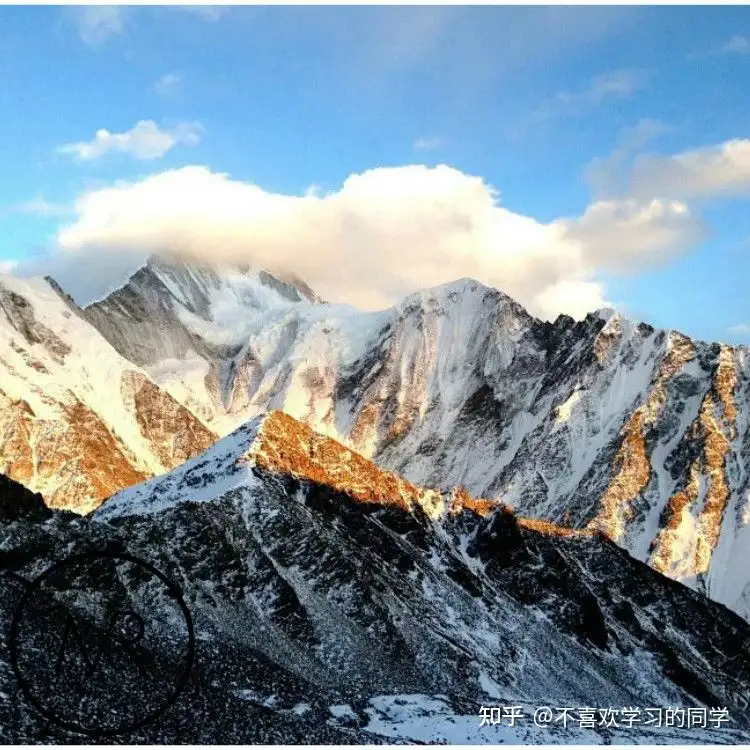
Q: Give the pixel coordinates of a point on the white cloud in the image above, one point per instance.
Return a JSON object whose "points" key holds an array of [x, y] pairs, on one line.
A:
{"points": [[384, 233], [737, 45], [574, 298], [708, 172], [619, 84], [428, 143], [144, 141], [168, 83], [7, 266], [645, 130], [623, 236], [98, 23], [741, 329], [723, 169]]}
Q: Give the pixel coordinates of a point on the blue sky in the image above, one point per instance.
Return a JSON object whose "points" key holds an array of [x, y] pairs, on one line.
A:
{"points": [[574, 116]]}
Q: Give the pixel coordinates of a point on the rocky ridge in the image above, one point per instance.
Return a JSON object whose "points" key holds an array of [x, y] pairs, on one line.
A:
{"points": [[601, 423], [77, 421], [335, 604]]}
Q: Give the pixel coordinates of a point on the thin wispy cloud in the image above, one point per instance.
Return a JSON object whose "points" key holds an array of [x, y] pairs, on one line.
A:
{"points": [[741, 329], [607, 176], [619, 84], [467, 55], [409, 35], [206, 12], [168, 83], [99, 23], [144, 141], [737, 45], [428, 143], [40, 206]]}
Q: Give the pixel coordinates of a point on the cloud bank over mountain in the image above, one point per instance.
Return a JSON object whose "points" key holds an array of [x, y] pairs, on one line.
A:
{"points": [[383, 234]]}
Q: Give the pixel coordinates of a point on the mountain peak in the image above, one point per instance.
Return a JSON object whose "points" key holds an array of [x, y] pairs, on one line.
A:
{"points": [[606, 313], [465, 285], [286, 446], [278, 444], [286, 284], [171, 309], [472, 295]]}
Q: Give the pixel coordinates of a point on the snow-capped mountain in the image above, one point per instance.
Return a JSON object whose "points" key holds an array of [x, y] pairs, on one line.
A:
{"points": [[188, 324], [77, 421], [334, 601], [602, 422]]}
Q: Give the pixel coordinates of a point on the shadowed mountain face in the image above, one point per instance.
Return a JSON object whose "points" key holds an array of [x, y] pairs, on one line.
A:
{"points": [[319, 611], [16, 502]]}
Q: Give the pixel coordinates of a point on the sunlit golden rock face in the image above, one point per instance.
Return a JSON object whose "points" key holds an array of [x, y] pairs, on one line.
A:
{"points": [[461, 500], [16, 456], [684, 547], [551, 529], [631, 474], [77, 421], [631, 469], [97, 463], [75, 461], [173, 433], [285, 446]]}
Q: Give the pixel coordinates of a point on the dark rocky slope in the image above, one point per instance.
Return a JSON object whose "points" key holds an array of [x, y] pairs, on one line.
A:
{"points": [[306, 597]]}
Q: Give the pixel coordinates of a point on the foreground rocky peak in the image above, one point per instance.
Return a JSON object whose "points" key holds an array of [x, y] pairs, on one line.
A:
{"points": [[324, 595], [17, 502], [279, 444]]}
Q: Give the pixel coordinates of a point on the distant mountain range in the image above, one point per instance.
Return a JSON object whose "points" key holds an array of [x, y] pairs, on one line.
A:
{"points": [[601, 423]]}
